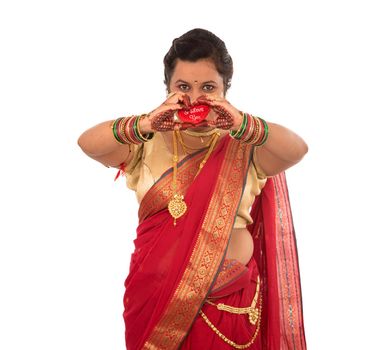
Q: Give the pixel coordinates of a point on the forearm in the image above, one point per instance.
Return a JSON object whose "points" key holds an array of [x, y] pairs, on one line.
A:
{"points": [[283, 149], [99, 143], [285, 144]]}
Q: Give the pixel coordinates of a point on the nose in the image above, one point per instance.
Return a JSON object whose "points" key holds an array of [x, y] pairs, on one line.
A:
{"points": [[194, 95]]}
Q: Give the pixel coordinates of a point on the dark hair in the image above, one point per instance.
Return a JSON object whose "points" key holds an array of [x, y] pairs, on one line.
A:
{"points": [[199, 44]]}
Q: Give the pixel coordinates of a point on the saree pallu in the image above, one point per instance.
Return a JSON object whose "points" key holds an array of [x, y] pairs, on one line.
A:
{"points": [[174, 268]]}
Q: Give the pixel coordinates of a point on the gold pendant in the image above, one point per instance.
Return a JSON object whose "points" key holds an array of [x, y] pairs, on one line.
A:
{"points": [[177, 207]]}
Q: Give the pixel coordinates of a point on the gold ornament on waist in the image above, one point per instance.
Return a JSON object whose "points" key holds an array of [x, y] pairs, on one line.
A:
{"points": [[254, 318], [252, 310]]}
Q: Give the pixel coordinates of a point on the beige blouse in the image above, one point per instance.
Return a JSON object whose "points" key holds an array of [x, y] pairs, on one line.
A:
{"points": [[153, 158]]}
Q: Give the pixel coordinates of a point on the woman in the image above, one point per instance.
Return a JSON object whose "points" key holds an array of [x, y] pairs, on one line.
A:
{"points": [[206, 273]]}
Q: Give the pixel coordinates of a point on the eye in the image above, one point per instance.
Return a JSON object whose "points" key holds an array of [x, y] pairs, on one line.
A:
{"points": [[208, 88], [183, 87]]}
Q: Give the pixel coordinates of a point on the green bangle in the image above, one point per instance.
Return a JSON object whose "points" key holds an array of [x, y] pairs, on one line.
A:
{"points": [[243, 128], [138, 134], [134, 126], [238, 133], [114, 130], [266, 131]]}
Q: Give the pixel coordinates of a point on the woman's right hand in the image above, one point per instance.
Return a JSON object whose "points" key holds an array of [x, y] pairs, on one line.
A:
{"points": [[162, 118]]}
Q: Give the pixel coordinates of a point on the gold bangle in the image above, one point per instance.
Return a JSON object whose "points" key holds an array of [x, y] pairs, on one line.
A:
{"points": [[138, 128], [121, 128], [250, 131], [257, 131]]}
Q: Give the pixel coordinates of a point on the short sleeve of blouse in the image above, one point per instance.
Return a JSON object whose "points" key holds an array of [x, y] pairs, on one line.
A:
{"points": [[132, 170], [259, 170]]}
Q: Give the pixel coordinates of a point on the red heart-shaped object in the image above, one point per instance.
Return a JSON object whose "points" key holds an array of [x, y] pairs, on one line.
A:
{"points": [[195, 114]]}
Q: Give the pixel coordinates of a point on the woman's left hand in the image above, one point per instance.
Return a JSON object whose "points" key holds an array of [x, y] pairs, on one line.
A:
{"points": [[227, 116]]}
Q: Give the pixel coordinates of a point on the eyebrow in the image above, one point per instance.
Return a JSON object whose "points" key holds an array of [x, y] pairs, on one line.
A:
{"points": [[204, 82]]}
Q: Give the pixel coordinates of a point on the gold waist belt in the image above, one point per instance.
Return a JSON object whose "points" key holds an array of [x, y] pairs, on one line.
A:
{"points": [[253, 312]]}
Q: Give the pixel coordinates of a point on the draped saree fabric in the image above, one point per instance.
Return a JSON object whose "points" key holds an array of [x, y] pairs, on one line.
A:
{"points": [[174, 268], [276, 255]]}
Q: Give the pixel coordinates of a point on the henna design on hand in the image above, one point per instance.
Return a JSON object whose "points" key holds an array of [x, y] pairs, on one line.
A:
{"points": [[163, 121], [225, 119]]}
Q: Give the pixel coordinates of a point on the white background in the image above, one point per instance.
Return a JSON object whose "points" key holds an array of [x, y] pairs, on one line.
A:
{"points": [[322, 68]]}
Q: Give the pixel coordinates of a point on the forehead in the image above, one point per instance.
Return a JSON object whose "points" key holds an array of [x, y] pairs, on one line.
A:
{"points": [[201, 70]]}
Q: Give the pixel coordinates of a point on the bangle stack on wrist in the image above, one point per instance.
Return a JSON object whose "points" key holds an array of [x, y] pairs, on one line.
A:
{"points": [[253, 131], [126, 130]]}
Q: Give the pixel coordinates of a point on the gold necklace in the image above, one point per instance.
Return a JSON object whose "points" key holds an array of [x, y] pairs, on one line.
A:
{"points": [[177, 206], [200, 134], [186, 148]]}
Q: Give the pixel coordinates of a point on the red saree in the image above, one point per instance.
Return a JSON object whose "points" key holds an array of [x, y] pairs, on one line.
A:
{"points": [[175, 268]]}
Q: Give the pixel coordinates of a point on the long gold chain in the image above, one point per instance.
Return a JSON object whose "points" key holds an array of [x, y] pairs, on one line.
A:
{"points": [[213, 142], [177, 206]]}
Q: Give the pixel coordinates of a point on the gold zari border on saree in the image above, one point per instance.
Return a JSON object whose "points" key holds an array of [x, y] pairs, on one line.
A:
{"points": [[158, 197], [288, 270], [207, 253]]}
